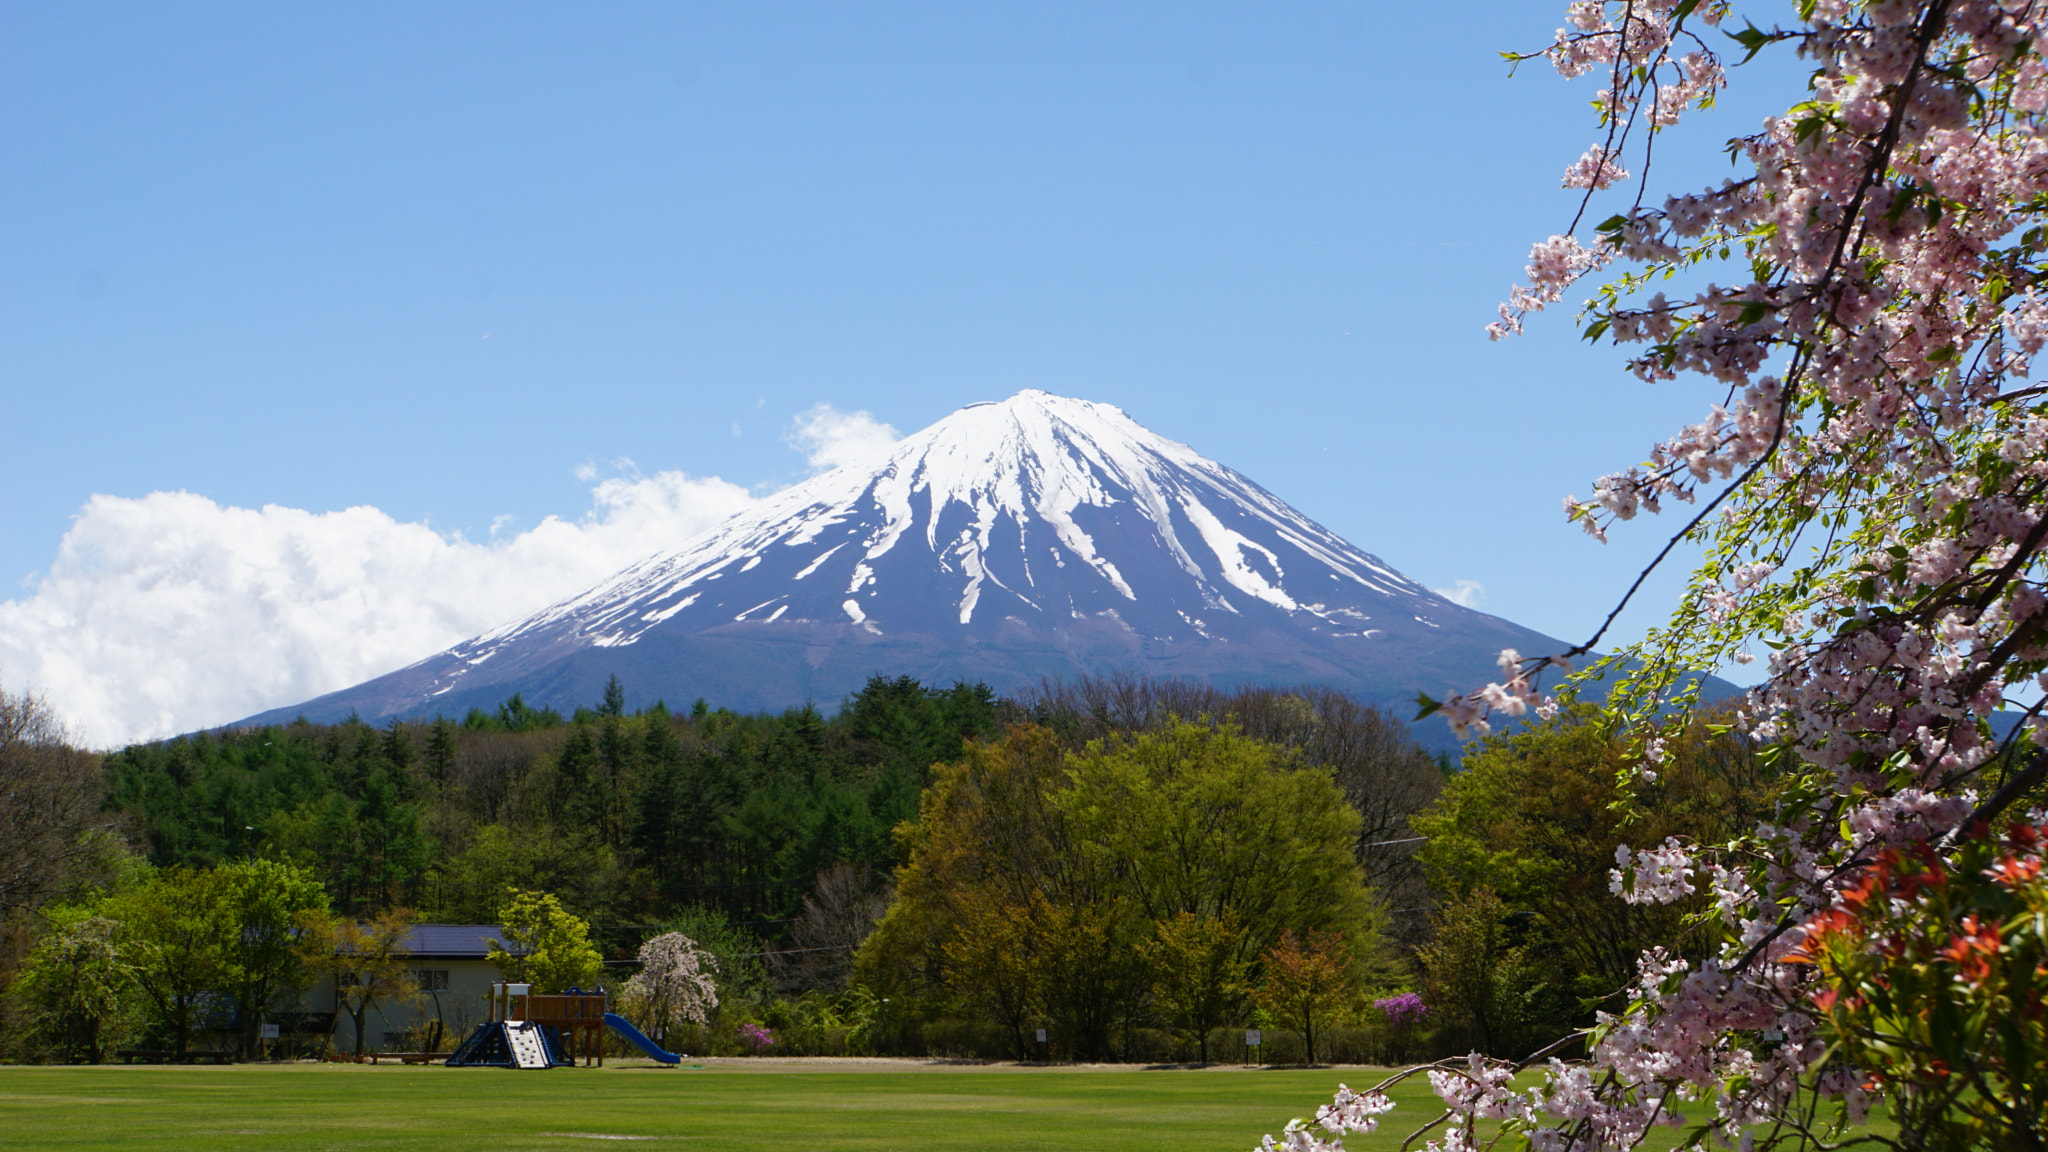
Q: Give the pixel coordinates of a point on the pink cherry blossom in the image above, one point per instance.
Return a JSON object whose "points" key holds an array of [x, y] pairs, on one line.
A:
{"points": [[1859, 304]]}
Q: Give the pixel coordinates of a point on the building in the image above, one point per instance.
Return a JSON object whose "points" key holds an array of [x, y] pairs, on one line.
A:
{"points": [[450, 965]]}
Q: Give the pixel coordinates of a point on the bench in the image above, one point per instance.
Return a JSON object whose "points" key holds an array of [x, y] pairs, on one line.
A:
{"points": [[410, 1057], [167, 1056]]}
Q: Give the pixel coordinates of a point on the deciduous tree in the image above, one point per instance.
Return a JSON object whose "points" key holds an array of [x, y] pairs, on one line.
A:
{"points": [[79, 993], [1480, 980], [366, 961], [1088, 850], [1864, 299], [677, 983], [177, 936], [1198, 969], [50, 803], [263, 959], [1306, 978], [990, 962], [544, 945]]}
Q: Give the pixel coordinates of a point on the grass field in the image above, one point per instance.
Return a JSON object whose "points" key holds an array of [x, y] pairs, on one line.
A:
{"points": [[738, 1105]]}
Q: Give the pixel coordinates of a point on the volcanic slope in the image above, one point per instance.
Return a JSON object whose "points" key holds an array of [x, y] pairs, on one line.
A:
{"points": [[1035, 536]]}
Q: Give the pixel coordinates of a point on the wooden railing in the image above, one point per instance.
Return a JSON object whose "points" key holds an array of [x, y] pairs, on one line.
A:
{"points": [[562, 1011]]}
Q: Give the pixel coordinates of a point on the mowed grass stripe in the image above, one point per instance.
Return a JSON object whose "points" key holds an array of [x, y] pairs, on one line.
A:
{"points": [[872, 1109], [718, 1108]]}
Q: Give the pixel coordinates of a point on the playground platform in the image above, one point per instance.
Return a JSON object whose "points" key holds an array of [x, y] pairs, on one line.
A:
{"points": [[547, 1030]]}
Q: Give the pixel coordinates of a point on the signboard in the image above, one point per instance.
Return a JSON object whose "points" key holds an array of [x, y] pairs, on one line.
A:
{"points": [[1252, 1038], [266, 1031], [1041, 1035]]}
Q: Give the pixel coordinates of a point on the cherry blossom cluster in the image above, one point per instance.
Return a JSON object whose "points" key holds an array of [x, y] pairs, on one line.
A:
{"points": [[1349, 1112], [1883, 257], [1467, 713], [677, 983], [1554, 266], [1869, 489], [1654, 875]]}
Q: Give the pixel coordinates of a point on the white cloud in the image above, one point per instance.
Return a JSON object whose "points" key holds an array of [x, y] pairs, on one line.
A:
{"points": [[1467, 593], [830, 439], [171, 612]]}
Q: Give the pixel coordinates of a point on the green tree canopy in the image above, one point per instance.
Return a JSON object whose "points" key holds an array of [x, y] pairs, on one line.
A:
{"points": [[1533, 822], [1089, 851], [264, 965], [366, 961], [78, 993], [549, 948], [178, 937]]}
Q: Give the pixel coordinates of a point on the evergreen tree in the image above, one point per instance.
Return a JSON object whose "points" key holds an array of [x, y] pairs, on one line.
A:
{"points": [[397, 747], [576, 770], [440, 750]]}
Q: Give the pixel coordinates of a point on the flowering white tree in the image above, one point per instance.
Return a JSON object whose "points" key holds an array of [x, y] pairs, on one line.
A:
{"points": [[677, 984], [1868, 489]]}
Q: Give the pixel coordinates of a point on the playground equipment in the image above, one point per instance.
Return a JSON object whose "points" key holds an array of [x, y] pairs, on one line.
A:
{"points": [[528, 1031], [635, 1037]]}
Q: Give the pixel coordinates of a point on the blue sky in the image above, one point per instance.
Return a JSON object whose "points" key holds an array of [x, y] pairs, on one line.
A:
{"points": [[458, 262]]}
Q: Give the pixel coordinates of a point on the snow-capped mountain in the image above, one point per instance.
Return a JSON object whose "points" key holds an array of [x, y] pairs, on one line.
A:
{"points": [[1039, 535]]}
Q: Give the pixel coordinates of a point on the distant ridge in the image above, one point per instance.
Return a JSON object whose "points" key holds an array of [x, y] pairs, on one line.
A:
{"points": [[1011, 540]]}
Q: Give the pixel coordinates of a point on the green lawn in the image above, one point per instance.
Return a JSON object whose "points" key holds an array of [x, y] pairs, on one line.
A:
{"points": [[741, 1105], [812, 1106]]}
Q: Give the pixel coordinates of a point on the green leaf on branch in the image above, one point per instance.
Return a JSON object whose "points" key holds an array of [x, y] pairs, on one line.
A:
{"points": [[1752, 312], [1425, 706], [1752, 38]]}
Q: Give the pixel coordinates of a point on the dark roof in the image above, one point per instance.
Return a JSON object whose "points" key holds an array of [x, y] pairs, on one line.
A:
{"points": [[454, 941]]}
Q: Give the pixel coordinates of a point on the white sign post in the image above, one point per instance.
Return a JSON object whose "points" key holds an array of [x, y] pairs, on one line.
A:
{"points": [[1253, 1038], [266, 1031]]}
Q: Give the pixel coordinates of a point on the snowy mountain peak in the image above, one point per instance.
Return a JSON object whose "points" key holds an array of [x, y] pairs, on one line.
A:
{"points": [[1035, 535], [1039, 506]]}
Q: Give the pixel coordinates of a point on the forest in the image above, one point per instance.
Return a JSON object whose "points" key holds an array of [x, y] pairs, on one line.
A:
{"points": [[1137, 866]]}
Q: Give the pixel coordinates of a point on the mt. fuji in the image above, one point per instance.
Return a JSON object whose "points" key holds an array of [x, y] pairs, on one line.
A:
{"points": [[1011, 540]]}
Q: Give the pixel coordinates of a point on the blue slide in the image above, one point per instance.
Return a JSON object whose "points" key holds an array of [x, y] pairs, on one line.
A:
{"points": [[624, 1027]]}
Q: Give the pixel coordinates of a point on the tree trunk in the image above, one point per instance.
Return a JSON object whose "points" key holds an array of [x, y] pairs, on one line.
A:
{"points": [[358, 1016], [182, 1034]]}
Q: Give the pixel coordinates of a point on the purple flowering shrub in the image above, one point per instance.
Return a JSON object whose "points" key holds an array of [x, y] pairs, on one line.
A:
{"points": [[1404, 1011], [755, 1038]]}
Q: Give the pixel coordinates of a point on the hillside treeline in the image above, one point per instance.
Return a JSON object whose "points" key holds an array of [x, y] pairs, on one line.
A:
{"points": [[631, 816], [628, 816], [1134, 866]]}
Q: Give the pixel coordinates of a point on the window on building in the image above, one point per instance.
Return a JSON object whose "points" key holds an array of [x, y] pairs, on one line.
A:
{"points": [[430, 979]]}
